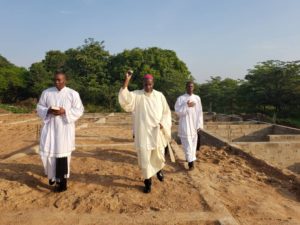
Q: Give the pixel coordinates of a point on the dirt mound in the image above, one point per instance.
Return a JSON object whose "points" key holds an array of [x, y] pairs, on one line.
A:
{"points": [[254, 193]]}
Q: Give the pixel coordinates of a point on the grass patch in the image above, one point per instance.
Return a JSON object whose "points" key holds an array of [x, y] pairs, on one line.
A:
{"points": [[89, 108], [29, 109], [16, 109], [293, 122]]}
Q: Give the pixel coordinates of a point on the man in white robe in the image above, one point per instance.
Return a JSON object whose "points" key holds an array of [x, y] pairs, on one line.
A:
{"points": [[152, 126], [59, 107], [189, 109]]}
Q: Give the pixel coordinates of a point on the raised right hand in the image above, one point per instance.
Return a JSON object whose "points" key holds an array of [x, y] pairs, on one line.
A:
{"points": [[128, 75], [127, 79]]}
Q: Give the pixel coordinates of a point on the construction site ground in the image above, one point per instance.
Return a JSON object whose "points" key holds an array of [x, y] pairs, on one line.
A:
{"points": [[105, 186]]}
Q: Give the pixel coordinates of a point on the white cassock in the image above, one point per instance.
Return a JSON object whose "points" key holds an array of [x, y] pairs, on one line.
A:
{"points": [[190, 120], [149, 111], [58, 132]]}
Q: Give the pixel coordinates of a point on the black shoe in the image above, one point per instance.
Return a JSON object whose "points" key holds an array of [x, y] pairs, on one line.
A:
{"points": [[61, 186], [191, 165], [57, 187], [51, 182], [160, 176], [147, 188]]}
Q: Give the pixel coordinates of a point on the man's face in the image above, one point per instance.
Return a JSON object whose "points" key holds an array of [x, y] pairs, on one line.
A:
{"points": [[60, 81], [148, 85], [190, 88]]}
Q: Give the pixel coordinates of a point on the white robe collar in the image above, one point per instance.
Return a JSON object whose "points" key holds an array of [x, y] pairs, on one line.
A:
{"points": [[61, 90], [186, 94], [148, 94]]}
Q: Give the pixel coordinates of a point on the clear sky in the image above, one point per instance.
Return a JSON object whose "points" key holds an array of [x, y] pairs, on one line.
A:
{"points": [[213, 37]]}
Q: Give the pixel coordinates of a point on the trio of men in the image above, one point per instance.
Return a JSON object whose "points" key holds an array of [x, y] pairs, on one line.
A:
{"points": [[59, 107]]}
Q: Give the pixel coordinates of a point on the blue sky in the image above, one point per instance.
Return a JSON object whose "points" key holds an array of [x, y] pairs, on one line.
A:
{"points": [[213, 37]]}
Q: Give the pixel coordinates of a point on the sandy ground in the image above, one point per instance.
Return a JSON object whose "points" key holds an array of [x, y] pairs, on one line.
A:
{"points": [[254, 193], [17, 138], [105, 186]]}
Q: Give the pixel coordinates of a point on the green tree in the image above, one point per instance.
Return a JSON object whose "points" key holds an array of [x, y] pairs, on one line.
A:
{"points": [[170, 73], [38, 79], [273, 87], [219, 95], [12, 81], [87, 70], [54, 60]]}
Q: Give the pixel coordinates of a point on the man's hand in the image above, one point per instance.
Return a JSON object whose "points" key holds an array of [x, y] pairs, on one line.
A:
{"points": [[59, 112], [128, 76], [190, 104]]}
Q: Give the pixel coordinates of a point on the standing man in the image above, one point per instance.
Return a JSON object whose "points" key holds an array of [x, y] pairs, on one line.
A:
{"points": [[189, 109], [152, 126], [59, 107]]}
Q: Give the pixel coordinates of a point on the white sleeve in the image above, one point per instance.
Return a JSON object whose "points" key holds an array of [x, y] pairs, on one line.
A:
{"points": [[200, 115], [166, 120], [76, 110], [181, 107], [126, 99], [42, 108]]}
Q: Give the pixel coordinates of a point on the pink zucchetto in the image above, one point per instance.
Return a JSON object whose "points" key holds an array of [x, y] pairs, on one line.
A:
{"points": [[148, 76]]}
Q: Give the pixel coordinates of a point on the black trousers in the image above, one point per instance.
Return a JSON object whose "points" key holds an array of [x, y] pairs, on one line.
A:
{"points": [[61, 167], [198, 141]]}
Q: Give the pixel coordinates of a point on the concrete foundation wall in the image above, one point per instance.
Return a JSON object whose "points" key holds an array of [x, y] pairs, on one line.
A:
{"points": [[284, 138], [240, 132], [284, 155], [277, 129], [275, 144], [211, 140]]}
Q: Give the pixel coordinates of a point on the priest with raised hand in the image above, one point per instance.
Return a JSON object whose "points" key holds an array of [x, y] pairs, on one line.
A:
{"points": [[189, 109], [59, 107], [152, 126]]}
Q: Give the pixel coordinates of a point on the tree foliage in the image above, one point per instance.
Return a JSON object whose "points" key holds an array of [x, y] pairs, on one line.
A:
{"points": [[96, 74], [170, 73], [12, 81], [219, 95], [271, 87]]}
